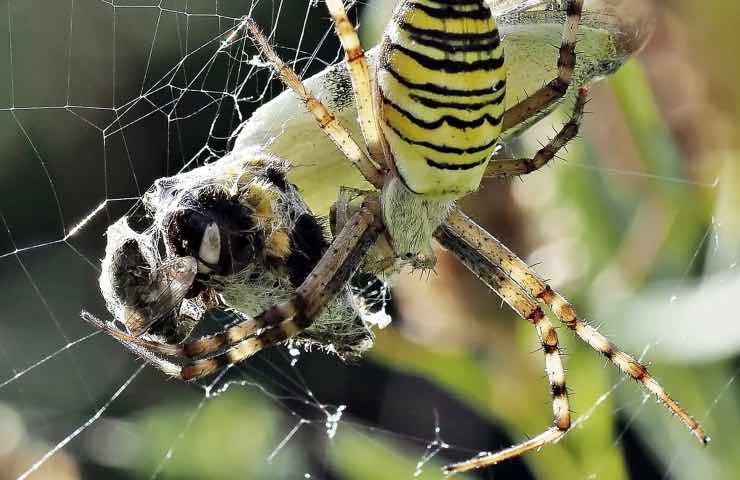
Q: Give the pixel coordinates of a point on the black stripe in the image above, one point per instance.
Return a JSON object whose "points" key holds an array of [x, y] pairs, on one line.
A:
{"points": [[445, 13], [489, 36], [449, 46], [444, 148], [432, 103], [460, 3], [434, 88], [449, 66], [572, 8], [448, 119], [558, 390], [454, 166]]}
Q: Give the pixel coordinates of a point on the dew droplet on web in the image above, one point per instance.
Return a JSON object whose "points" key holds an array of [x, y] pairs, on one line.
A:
{"points": [[333, 419]]}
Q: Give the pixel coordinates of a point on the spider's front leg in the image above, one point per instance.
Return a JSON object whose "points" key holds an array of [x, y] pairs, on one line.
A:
{"points": [[326, 120]]}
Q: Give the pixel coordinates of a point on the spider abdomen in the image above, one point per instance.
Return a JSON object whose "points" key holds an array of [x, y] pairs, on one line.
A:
{"points": [[441, 84]]}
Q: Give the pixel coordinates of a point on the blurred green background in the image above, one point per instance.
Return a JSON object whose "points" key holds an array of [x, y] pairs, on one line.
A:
{"points": [[639, 227]]}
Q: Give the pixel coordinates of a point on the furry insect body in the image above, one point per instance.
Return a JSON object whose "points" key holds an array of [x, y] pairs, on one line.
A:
{"points": [[441, 80], [235, 236]]}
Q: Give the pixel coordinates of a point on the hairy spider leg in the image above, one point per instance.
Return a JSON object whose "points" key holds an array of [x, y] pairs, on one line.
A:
{"points": [[526, 307]]}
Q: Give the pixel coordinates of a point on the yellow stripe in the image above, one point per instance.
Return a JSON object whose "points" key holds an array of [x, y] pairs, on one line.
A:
{"points": [[420, 19], [444, 135], [404, 38], [477, 80], [426, 136]]}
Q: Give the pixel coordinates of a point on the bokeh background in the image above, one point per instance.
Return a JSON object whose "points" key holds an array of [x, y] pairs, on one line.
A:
{"points": [[638, 226]]}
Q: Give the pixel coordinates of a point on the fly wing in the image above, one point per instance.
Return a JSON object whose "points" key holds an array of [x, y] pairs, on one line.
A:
{"points": [[530, 30], [172, 281]]}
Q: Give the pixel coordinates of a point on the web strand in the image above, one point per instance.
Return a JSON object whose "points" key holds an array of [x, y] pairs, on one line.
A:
{"points": [[177, 88]]}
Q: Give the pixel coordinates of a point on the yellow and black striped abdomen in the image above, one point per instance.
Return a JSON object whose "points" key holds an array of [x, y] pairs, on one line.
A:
{"points": [[441, 81]]}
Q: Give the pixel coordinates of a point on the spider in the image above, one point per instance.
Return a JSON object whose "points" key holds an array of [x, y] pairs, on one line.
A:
{"points": [[431, 120]]}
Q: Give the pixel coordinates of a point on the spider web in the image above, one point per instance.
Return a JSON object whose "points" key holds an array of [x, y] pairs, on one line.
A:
{"points": [[101, 98]]}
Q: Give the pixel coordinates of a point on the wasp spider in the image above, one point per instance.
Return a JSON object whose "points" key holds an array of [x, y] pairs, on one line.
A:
{"points": [[431, 119]]}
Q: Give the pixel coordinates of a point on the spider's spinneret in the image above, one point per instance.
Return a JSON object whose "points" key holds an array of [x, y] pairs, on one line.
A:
{"points": [[441, 82]]}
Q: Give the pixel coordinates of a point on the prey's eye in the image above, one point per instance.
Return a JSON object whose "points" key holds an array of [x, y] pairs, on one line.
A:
{"points": [[184, 231]]}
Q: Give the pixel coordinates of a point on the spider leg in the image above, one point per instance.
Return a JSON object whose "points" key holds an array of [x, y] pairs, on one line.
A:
{"points": [[151, 348], [508, 167], [330, 265], [326, 120], [499, 255], [558, 86], [278, 323], [137, 344], [526, 307], [360, 75], [291, 317]]}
